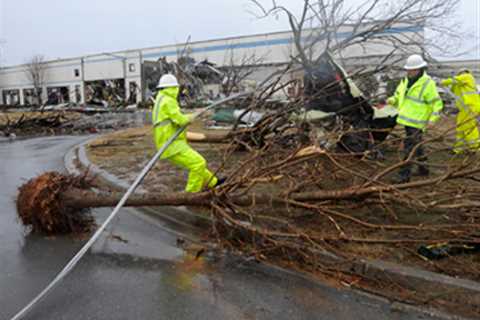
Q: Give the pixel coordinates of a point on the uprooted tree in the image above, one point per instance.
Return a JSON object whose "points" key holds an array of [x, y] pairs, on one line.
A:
{"points": [[286, 203], [296, 192], [307, 162]]}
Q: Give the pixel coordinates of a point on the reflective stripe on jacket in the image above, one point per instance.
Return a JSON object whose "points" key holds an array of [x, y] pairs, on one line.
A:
{"points": [[166, 120], [465, 88], [418, 105]]}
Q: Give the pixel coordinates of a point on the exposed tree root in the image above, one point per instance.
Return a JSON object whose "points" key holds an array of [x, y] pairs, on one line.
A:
{"points": [[40, 208]]}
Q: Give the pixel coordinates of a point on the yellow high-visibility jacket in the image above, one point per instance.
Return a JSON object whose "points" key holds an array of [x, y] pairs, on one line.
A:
{"points": [[166, 120], [465, 88], [418, 105]]}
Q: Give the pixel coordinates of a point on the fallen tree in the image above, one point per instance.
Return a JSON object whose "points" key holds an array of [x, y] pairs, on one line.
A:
{"points": [[53, 195], [295, 194]]}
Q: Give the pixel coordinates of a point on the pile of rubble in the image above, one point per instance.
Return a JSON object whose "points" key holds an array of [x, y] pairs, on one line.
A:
{"points": [[106, 93], [201, 81]]}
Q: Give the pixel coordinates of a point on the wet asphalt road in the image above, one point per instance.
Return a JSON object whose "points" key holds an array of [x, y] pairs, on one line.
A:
{"points": [[136, 271]]}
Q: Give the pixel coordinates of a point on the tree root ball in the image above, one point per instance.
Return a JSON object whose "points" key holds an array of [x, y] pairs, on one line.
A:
{"points": [[40, 208]]}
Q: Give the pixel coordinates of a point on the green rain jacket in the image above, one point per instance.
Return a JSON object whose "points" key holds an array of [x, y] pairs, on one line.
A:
{"points": [[166, 120], [465, 88], [418, 105]]}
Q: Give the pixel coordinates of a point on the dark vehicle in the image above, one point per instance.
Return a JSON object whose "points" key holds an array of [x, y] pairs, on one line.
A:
{"points": [[330, 89]]}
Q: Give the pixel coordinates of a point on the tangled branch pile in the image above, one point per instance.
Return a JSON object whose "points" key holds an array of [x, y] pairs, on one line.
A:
{"points": [[288, 201], [291, 203], [37, 123]]}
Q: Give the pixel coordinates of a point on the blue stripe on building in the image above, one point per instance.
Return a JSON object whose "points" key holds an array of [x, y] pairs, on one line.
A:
{"points": [[223, 47]]}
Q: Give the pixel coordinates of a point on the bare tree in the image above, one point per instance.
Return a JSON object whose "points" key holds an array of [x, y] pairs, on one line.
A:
{"points": [[237, 71], [36, 74], [316, 29]]}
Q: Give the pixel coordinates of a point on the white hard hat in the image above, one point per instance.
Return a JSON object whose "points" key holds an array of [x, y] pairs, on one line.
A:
{"points": [[415, 61], [167, 80]]}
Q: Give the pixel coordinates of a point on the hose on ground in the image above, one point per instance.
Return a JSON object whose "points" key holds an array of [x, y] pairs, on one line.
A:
{"points": [[73, 262]]}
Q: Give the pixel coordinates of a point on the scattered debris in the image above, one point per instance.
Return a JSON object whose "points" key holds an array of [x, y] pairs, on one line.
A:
{"points": [[180, 242], [118, 238], [229, 116], [444, 250], [64, 119], [199, 253], [201, 81], [330, 89], [35, 123], [106, 93]]}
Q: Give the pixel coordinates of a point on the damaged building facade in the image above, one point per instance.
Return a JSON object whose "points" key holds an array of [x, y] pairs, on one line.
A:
{"points": [[130, 76]]}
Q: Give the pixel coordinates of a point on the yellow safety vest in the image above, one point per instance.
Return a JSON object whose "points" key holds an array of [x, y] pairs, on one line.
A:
{"points": [[465, 88], [166, 120]]}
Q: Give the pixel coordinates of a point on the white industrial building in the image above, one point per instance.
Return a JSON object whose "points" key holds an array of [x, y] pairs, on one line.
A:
{"points": [[71, 75]]}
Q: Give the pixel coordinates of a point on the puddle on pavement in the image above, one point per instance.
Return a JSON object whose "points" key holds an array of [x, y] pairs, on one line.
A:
{"points": [[190, 272]]}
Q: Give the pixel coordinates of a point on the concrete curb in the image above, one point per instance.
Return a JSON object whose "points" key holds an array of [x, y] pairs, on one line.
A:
{"points": [[394, 306], [78, 153], [76, 162], [415, 279]]}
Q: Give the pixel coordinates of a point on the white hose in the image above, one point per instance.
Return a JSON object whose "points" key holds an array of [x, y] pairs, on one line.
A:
{"points": [[73, 262]]}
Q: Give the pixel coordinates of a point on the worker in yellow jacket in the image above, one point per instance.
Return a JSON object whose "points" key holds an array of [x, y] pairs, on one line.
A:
{"points": [[468, 103], [167, 119], [419, 105]]}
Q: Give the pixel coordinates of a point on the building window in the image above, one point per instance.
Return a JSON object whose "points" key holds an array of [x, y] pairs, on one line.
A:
{"points": [[131, 67], [77, 72], [11, 97]]}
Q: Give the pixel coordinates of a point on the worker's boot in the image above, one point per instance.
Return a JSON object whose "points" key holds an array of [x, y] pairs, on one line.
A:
{"points": [[220, 181], [403, 176], [399, 179], [422, 171]]}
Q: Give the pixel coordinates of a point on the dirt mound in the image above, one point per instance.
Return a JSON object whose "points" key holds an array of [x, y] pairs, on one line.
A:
{"points": [[39, 205]]}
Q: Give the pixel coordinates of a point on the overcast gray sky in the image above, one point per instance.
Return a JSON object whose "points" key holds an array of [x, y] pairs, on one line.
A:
{"points": [[67, 28]]}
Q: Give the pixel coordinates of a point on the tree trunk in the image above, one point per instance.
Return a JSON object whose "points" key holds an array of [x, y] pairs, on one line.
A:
{"points": [[79, 199], [207, 138]]}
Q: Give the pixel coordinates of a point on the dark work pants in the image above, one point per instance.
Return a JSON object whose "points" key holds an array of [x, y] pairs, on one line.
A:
{"points": [[413, 137]]}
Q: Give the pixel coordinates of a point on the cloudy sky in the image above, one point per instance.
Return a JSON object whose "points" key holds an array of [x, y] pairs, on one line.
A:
{"points": [[68, 28]]}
